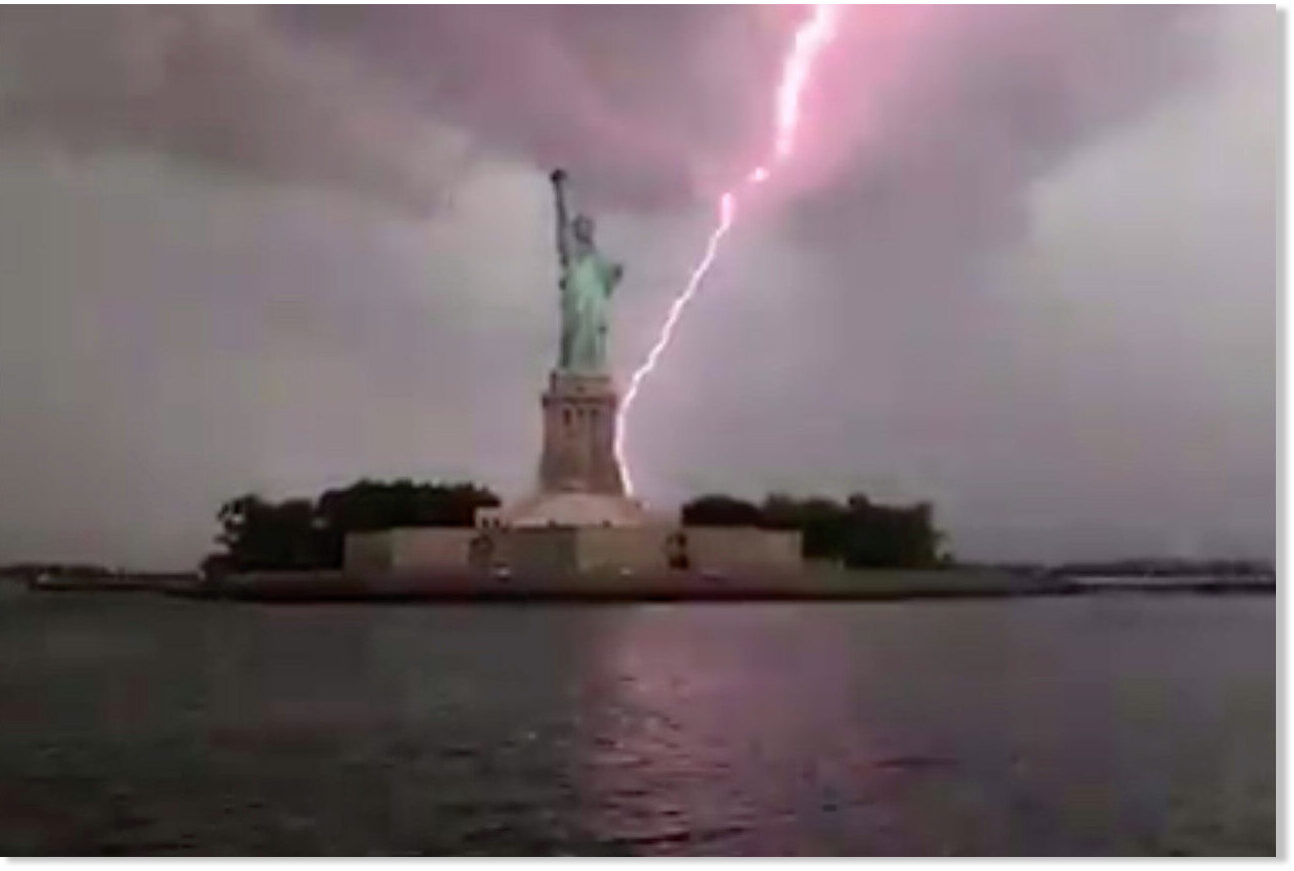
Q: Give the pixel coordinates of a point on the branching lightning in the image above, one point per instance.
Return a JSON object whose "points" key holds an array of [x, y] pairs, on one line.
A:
{"points": [[810, 38]]}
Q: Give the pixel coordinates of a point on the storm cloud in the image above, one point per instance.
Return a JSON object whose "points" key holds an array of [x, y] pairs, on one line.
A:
{"points": [[1025, 262]]}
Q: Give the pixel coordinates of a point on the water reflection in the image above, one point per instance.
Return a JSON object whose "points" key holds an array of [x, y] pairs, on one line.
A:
{"points": [[1055, 728], [718, 730], [1129, 725]]}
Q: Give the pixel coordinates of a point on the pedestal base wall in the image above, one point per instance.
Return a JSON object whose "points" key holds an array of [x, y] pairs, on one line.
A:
{"points": [[585, 550]]}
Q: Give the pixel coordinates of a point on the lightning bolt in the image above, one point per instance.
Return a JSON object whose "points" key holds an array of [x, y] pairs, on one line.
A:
{"points": [[810, 38]]}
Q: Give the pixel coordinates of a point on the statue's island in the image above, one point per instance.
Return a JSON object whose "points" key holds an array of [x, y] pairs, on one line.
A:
{"points": [[579, 522]]}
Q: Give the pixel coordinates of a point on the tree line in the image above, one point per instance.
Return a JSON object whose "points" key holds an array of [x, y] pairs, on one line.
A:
{"points": [[300, 534], [259, 534], [856, 531], [1166, 567]]}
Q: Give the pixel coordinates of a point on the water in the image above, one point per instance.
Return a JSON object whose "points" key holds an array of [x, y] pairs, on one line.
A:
{"points": [[135, 724]]}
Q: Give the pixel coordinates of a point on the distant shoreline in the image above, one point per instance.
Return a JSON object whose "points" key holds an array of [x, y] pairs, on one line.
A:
{"points": [[829, 585], [538, 594]]}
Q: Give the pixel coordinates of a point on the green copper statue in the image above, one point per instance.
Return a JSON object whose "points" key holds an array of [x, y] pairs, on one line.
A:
{"points": [[588, 280]]}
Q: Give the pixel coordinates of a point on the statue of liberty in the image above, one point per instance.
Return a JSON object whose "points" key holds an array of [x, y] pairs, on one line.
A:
{"points": [[588, 280]]}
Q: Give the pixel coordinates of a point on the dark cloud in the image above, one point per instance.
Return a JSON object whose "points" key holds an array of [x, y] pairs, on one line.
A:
{"points": [[1025, 262], [222, 86], [655, 106], [939, 138], [650, 103]]}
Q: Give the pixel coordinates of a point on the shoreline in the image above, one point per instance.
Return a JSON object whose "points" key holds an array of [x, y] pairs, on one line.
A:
{"points": [[539, 595], [824, 586]]}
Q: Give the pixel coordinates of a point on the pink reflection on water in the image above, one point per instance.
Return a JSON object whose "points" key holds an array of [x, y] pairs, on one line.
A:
{"points": [[703, 737]]}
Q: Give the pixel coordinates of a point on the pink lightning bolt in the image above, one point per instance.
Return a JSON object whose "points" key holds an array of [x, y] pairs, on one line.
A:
{"points": [[810, 38]]}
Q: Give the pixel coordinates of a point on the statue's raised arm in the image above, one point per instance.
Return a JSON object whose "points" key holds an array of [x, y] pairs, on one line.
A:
{"points": [[558, 178]]}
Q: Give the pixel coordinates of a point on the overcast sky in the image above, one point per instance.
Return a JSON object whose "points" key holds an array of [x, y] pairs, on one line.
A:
{"points": [[1025, 264]]}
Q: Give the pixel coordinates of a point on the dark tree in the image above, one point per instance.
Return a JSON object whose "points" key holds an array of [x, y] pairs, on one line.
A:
{"points": [[858, 532], [822, 522], [891, 536], [303, 534], [719, 510], [372, 505], [825, 525], [257, 534]]}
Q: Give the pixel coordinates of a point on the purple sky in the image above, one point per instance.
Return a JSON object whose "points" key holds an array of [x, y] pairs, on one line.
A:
{"points": [[1026, 265]]}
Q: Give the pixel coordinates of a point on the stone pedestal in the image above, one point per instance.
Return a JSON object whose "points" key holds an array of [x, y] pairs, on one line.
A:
{"points": [[580, 435], [578, 522]]}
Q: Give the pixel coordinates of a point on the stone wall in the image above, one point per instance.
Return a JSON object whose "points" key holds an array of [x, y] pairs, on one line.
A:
{"points": [[586, 550], [448, 547], [742, 549], [539, 550], [613, 549], [399, 550], [368, 552]]}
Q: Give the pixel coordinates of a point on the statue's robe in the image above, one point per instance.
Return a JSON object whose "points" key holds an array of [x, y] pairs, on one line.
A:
{"points": [[586, 296]]}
